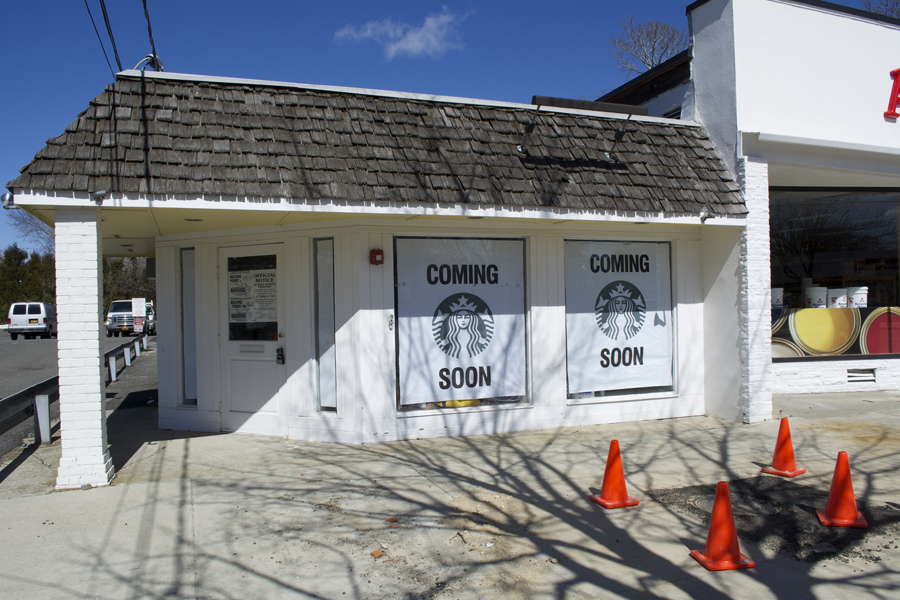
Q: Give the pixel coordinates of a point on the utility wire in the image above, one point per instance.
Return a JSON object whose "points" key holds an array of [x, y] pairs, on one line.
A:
{"points": [[111, 38], [156, 64], [99, 39]]}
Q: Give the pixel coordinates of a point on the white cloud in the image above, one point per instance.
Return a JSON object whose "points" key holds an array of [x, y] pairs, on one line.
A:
{"points": [[434, 38]]}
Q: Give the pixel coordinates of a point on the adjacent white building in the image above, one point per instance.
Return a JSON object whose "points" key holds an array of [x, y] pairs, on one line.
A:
{"points": [[797, 94]]}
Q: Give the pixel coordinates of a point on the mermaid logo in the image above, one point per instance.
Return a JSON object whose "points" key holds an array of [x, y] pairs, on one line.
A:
{"points": [[463, 324], [620, 309]]}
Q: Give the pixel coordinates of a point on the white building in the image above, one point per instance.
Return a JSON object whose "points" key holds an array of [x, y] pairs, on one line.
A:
{"points": [[361, 266], [803, 91]]}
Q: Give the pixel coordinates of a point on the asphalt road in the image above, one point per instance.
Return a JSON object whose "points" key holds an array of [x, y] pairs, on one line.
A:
{"points": [[24, 363]]}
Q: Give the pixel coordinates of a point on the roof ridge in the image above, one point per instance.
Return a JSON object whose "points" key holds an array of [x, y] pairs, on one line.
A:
{"points": [[398, 95]]}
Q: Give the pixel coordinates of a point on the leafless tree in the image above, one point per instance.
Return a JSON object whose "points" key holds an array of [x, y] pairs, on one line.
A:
{"points": [[642, 46], [890, 8], [31, 230], [125, 278]]}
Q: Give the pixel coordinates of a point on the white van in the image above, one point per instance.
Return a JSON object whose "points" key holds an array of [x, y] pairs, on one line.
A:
{"points": [[32, 319]]}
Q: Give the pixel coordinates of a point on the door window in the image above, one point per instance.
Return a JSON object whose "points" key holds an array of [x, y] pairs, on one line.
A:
{"points": [[252, 298]]}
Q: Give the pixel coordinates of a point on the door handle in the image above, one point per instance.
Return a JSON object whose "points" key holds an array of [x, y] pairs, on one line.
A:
{"points": [[279, 356]]}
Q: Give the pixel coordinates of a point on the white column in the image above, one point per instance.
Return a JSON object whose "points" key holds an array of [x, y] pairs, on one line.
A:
{"points": [[755, 296], [79, 298]]}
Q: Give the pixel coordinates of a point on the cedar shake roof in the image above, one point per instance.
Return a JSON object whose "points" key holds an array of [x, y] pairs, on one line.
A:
{"points": [[189, 138]]}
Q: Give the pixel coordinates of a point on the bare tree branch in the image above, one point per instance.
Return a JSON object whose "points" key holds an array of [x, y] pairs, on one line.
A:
{"points": [[642, 46], [32, 230], [890, 8]]}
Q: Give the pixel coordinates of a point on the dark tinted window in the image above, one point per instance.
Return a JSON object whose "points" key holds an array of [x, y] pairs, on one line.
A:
{"points": [[122, 306], [837, 250], [19, 309], [834, 240], [34, 309]]}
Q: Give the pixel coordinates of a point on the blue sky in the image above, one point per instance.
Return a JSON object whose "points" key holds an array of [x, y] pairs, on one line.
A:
{"points": [[52, 63]]}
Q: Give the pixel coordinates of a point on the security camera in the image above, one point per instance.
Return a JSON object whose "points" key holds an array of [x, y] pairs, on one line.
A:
{"points": [[8, 201]]}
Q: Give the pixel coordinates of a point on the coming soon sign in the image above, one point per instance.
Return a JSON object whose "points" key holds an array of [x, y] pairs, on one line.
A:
{"points": [[461, 319], [618, 315]]}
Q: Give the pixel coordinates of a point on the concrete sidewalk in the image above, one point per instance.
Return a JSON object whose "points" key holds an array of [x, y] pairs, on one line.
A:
{"points": [[500, 516]]}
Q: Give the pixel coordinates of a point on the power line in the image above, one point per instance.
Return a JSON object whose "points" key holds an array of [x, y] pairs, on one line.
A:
{"points": [[155, 62], [99, 39], [109, 31]]}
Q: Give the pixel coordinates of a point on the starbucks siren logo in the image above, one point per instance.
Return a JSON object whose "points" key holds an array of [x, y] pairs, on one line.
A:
{"points": [[620, 309], [463, 324]]}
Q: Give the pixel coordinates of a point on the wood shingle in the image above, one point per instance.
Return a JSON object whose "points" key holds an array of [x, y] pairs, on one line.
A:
{"points": [[184, 138]]}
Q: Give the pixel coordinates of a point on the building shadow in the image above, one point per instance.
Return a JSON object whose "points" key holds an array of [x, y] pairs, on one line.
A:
{"points": [[134, 422]]}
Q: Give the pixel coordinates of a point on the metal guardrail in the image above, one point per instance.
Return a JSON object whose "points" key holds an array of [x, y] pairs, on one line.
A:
{"points": [[35, 401], [124, 350]]}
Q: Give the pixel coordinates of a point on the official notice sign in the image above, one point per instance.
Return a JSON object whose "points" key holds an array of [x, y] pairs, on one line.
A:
{"points": [[618, 315], [461, 319], [252, 297]]}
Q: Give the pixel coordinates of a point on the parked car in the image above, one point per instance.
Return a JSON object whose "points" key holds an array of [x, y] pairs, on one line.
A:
{"points": [[120, 319], [31, 319], [151, 319]]}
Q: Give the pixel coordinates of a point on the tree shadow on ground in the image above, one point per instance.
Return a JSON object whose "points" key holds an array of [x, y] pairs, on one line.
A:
{"points": [[501, 516]]}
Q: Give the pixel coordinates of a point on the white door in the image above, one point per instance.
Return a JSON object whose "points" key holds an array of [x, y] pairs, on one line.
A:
{"points": [[251, 291]]}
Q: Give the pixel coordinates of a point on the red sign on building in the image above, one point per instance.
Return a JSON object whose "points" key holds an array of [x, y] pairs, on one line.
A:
{"points": [[895, 95]]}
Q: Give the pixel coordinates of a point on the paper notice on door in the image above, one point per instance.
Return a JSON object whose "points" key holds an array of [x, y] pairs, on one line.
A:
{"points": [[252, 296]]}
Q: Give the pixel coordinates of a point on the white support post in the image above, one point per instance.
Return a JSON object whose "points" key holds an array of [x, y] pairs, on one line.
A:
{"points": [[127, 355], [41, 418], [112, 368], [137, 347], [85, 456], [755, 294]]}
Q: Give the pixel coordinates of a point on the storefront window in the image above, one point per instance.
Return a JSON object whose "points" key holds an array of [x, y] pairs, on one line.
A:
{"points": [[834, 264], [460, 322], [619, 328]]}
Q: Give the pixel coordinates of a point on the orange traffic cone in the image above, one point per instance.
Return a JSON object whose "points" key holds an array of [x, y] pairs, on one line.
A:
{"points": [[840, 511], [784, 463], [613, 493], [722, 552]]}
